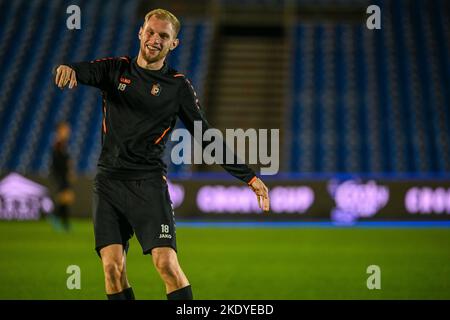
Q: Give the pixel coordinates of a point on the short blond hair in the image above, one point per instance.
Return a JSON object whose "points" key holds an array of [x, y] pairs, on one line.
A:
{"points": [[165, 15]]}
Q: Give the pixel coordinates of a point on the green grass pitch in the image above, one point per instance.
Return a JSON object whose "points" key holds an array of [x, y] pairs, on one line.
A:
{"points": [[258, 263]]}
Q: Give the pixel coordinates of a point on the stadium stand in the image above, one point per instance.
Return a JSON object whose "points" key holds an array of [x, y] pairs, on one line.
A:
{"points": [[31, 105], [366, 101], [357, 101]]}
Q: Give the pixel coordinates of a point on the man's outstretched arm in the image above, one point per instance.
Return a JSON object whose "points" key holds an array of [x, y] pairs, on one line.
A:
{"points": [[98, 73], [190, 111]]}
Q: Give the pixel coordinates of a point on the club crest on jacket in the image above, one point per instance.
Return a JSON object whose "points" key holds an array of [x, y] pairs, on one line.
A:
{"points": [[156, 89]]}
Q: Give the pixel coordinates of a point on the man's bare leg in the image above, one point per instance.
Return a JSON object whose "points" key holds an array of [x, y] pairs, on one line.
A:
{"points": [[166, 263], [114, 268]]}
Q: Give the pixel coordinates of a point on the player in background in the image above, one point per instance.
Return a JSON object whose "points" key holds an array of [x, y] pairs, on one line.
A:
{"points": [[62, 177], [142, 99]]}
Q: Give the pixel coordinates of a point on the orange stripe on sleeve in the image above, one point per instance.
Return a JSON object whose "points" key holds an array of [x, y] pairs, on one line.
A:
{"points": [[252, 180], [162, 136], [104, 120], [104, 113]]}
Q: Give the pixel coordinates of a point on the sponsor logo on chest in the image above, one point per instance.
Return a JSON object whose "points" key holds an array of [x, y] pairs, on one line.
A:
{"points": [[123, 82]]}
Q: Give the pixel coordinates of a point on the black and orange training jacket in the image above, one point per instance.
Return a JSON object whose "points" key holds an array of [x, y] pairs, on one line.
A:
{"points": [[140, 108]]}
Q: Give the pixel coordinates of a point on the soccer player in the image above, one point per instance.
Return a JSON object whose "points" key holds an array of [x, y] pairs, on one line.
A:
{"points": [[61, 175], [142, 99]]}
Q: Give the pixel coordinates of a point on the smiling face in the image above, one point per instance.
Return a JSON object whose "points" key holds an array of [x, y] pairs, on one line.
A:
{"points": [[157, 38]]}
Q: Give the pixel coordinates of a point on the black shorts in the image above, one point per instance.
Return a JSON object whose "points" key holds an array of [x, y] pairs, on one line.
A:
{"points": [[125, 207]]}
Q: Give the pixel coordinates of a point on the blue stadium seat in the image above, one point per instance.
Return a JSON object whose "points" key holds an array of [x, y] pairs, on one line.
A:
{"points": [[359, 100], [372, 101]]}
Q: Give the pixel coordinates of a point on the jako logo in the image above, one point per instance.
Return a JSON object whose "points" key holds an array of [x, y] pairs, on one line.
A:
{"points": [[357, 200]]}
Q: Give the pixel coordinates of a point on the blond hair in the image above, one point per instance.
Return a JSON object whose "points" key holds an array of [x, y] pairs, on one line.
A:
{"points": [[164, 15]]}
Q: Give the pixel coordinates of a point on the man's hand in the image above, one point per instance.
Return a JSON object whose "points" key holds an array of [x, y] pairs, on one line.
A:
{"points": [[65, 75], [262, 194]]}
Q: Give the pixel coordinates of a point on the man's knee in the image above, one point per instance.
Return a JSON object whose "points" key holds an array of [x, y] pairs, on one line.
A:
{"points": [[166, 262], [112, 266], [167, 266], [113, 263], [113, 269]]}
